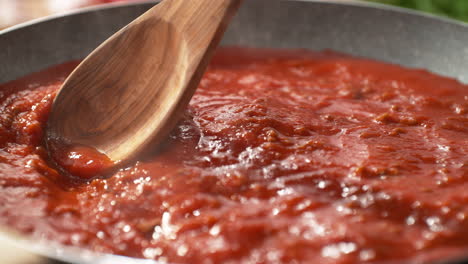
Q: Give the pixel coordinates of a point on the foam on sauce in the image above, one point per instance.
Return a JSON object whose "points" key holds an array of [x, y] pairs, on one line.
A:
{"points": [[282, 157]]}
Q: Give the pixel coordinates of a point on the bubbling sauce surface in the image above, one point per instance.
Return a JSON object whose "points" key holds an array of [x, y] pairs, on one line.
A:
{"points": [[281, 157]]}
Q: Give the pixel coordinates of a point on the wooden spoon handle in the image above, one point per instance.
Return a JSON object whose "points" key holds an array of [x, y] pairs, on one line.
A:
{"points": [[190, 17]]}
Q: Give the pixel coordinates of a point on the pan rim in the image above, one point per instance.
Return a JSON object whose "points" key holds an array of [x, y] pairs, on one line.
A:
{"points": [[354, 3]]}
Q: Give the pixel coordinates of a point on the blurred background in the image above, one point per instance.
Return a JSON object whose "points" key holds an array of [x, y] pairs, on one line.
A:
{"points": [[16, 11], [457, 9]]}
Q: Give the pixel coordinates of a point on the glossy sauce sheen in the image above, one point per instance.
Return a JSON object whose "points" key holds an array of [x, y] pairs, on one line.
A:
{"points": [[282, 157]]}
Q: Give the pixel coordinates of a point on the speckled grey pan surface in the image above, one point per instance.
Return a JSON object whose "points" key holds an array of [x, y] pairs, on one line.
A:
{"points": [[382, 33]]}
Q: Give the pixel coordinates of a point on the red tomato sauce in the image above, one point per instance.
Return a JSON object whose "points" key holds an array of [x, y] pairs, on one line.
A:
{"points": [[281, 157]]}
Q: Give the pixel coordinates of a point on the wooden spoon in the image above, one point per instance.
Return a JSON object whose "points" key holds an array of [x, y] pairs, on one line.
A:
{"points": [[129, 93]]}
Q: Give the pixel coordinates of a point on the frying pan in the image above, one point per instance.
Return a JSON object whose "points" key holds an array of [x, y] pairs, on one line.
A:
{"points": [[379, 32]]}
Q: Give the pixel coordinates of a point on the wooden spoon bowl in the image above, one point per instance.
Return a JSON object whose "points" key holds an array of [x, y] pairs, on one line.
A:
{"points": [[129, 93]]}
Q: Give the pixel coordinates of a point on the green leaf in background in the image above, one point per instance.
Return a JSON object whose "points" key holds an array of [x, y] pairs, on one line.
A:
{"points": [[457, 9]]}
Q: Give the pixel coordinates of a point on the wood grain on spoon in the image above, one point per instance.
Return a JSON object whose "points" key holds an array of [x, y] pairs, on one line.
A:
{"points": [[129, 93]]}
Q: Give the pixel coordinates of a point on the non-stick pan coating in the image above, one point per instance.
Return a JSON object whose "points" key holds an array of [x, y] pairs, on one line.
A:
{"points": [[373, 31]]}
